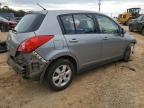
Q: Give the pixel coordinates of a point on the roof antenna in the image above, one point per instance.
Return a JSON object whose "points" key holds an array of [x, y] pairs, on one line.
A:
{"points": [[41, 6]]}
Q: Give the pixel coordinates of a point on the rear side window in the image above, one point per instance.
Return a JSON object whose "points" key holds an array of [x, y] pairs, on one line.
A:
{"points": [[84, 23], [78, 23], [68, 24], [30, 23]]}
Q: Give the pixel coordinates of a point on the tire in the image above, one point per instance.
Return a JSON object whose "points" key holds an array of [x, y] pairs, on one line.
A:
{"points": [[60, 74], [4, 28], [130, 28], [142, 31], [3, 47], [129, 52]]}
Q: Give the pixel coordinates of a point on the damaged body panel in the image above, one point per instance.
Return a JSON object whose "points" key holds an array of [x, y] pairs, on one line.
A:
{"points": [[27, 65]]}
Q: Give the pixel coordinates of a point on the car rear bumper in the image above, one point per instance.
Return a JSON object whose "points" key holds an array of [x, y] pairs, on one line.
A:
{"points": [[18, 68], [28, 69]]}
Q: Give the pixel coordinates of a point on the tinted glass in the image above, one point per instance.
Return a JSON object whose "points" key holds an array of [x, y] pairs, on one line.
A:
{"points": [[143, 18], [140, 18], [84, 23], [68, 23], [29, 23], [8, 16], [107, 25], [3, 19]]}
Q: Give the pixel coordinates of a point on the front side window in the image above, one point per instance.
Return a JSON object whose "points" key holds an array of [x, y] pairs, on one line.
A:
{"points": [[106, 25], [68, 24], [84, 23]]}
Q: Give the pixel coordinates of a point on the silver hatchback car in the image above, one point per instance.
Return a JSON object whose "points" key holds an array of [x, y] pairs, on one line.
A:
{"points": [[54, 45]]}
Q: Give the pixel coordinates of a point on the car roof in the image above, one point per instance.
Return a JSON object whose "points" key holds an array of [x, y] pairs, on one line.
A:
{"points": [[58, 12], [134, 8], [71, 11]]}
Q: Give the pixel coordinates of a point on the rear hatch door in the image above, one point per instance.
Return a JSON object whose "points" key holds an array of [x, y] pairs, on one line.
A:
{"points": [[14, 41], [24, 30]]}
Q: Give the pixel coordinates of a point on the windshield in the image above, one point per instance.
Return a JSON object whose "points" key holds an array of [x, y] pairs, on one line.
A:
{"points": [[140, 18], [8, 16], [134, 10], [3, 19], [30, 23]]}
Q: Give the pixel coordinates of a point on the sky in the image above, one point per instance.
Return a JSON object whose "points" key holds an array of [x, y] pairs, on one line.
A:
{"points": [[109, 7]]}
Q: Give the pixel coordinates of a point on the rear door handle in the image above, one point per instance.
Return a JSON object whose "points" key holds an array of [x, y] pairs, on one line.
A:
{"points": [[105, 38], [74, 40]]}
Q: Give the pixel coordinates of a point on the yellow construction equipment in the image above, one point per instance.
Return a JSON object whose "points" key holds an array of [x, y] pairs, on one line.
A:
{"points": [[131, 13]]}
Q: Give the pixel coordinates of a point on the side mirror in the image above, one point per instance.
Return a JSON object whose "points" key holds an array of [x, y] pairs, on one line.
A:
{"points": [[122, 31]]}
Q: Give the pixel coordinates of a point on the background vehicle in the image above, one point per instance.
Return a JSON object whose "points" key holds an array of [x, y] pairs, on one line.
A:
{"points": [[54, 45], [5, 25], [11, 19], [137, 25], [131, 13]]}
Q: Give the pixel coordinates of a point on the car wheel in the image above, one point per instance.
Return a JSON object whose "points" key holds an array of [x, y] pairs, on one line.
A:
{"points": [[3, 47], [130, 28], [129, 53], [60, 74], [142, 32]]}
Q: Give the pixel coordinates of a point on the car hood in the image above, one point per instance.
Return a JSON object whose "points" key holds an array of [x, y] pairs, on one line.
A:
{"points": [[12, 22]]}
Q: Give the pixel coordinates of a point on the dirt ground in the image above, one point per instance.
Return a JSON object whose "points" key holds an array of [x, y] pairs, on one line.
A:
{"points": [[117, 85]]}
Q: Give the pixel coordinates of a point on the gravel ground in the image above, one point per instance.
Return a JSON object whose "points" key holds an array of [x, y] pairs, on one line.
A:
{"points": [[116, 85]]}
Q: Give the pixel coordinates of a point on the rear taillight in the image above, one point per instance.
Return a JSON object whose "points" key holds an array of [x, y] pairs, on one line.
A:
{"points": [[33, 43]]}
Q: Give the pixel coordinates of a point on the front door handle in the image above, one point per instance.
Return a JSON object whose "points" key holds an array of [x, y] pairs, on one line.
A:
{"points": [[105, 38], [74, 40]]}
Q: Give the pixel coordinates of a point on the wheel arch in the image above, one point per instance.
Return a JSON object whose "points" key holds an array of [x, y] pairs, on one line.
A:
{"points": [[71, 58]]}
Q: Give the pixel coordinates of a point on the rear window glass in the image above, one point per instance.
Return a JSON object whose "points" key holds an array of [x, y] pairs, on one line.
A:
{"points": [[68, 23], [84, 23], [30, 23]]}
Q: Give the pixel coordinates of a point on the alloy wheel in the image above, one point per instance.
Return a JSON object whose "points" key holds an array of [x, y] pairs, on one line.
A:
{"points": [[62, 75]]}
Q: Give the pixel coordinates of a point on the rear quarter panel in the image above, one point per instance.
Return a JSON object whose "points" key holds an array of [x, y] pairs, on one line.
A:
{"points": [[57, 46]]}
